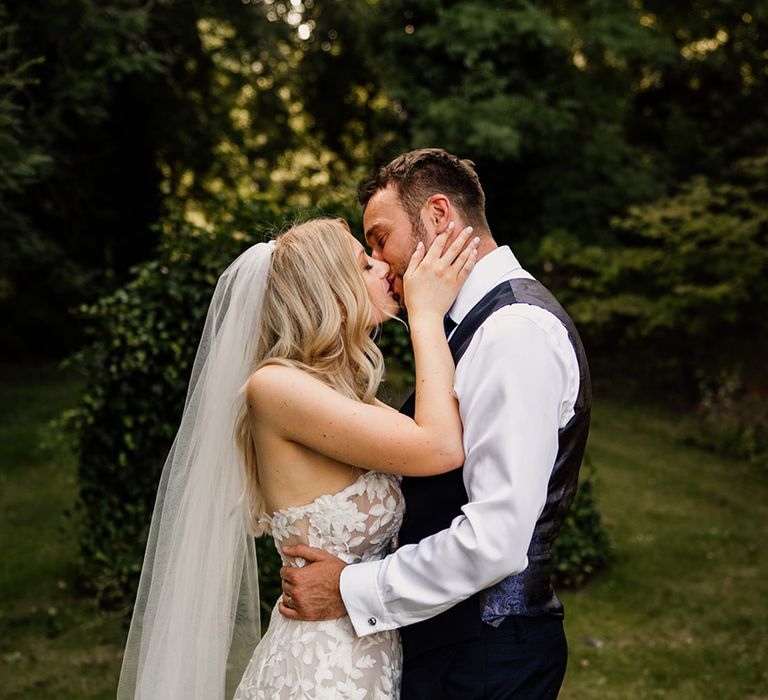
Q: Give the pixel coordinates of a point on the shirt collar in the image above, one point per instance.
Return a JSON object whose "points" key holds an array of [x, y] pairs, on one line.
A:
{"points": [[490, 270]]}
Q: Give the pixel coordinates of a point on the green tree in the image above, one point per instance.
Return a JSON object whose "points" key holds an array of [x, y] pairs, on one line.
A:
{"points": [[685, 281], [574, 110], [536, 94], [20, 162], [133, 106], [86, 215]]}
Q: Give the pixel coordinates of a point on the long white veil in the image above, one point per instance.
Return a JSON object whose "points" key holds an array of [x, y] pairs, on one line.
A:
{"points": [[196, 619]]}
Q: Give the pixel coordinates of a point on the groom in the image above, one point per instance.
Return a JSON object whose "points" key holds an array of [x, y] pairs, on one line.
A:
{"points": [[470, 585]]}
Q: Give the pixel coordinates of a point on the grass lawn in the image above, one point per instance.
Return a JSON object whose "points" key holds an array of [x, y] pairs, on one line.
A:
{"points": [[52, 643], [681, 613]]}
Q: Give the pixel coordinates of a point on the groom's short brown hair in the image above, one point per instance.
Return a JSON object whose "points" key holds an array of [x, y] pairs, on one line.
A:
{"points": [[417, 175]]}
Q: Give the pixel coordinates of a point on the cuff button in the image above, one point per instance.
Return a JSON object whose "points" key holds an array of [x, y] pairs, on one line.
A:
{"points": [[372, 621]]}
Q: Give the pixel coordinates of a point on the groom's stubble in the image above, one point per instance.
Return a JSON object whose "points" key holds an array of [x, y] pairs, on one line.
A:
{"points": [[418, 234]]}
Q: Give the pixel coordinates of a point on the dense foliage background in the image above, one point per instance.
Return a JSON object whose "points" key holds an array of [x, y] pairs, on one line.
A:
{"points": [[623, 147]]}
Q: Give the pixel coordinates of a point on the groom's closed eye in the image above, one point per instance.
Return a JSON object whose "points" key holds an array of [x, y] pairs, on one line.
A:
{"points": [[375, 238], [378, 244]]}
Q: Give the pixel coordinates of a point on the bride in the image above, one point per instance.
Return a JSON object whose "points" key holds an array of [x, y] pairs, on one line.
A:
{"points": [[282, 434]]}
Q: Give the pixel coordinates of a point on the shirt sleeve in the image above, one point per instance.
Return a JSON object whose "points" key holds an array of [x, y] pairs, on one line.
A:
{"points": [[516, 385]]}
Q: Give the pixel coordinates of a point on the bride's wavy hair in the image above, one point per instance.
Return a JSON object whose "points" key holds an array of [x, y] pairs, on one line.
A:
{"points": [[316, 316]]}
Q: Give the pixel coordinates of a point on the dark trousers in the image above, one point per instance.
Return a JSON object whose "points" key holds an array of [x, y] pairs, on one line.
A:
{"points": [[523, 659]]}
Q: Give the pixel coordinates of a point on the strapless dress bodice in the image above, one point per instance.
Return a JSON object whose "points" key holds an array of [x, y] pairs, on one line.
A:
{"points": [[355, 524]]}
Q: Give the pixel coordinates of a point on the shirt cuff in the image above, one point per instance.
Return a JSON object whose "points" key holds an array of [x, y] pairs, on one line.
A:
{"points": [[359, 587]]}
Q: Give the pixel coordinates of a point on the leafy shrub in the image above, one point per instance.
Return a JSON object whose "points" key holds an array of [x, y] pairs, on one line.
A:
{"points": [[732, 419], [582, 548], [142, 341]]}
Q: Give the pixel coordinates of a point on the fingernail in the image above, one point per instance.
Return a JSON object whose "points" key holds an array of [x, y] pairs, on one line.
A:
{"points": [[469, 229], [476, 240], [419, 245], [451, 224]]}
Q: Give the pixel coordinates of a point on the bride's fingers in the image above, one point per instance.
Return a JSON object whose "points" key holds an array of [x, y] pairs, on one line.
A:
{"points": [[447, 257], [466, 259], [438, 245], [446, 235], [458, 245], [465, 254], [416, 257]]}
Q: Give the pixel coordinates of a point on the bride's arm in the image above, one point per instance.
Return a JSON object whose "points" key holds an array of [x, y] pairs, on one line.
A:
{"points": [[435, 402], [302, 409]]}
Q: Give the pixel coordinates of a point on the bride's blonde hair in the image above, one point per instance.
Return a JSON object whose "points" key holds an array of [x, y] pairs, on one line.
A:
{"points": [[316, 316]]}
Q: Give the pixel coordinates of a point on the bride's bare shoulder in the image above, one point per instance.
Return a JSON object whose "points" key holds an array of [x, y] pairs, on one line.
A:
{"points": [[278, 382]]}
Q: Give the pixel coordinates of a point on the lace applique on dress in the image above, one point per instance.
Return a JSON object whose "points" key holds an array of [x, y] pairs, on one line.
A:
{"points": [[327, 659]]}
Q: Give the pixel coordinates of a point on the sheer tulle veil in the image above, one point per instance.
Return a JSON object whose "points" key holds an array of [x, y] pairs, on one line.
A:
{"points": [[196, 618]]}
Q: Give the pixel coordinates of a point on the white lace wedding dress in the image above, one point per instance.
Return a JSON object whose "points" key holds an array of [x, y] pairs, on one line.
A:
{"points": [[318, 660]]}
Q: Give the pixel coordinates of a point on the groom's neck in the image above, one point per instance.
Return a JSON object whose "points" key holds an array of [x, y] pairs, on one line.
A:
{"points": [[487, 244]]}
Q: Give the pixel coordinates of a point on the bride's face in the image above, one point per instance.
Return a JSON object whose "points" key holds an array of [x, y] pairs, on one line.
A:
{"points": [[375, 274]]}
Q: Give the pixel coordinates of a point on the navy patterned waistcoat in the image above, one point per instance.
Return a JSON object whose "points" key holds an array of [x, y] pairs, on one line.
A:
{"points": [[433, 502]]}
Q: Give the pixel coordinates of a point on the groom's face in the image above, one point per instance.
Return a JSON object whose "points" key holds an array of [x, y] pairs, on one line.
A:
{"points": [[391, 236]]}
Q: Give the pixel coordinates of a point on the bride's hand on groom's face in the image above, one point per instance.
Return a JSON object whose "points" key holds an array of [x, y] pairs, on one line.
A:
{"points": [[434, 276], [311, 592]]}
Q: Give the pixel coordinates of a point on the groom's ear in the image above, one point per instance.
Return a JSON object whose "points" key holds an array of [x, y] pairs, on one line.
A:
{"points": [[438, 212]]}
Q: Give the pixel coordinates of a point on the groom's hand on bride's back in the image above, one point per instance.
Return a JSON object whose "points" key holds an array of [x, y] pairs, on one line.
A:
{"points": [[311, 592]]}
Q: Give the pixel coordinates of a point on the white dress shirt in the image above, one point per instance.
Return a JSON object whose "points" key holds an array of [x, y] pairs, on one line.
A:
{"points": [[517, 385]]}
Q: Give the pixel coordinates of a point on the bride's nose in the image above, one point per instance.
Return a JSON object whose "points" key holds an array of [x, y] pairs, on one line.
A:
{"points": [[384, 268]]}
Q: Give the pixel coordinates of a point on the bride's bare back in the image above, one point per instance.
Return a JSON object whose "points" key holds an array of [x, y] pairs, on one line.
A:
{"points": [[292, 474], [311, 440]]}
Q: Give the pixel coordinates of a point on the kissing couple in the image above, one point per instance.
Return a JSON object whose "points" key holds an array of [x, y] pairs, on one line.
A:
{"points": [[416, 545]]}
